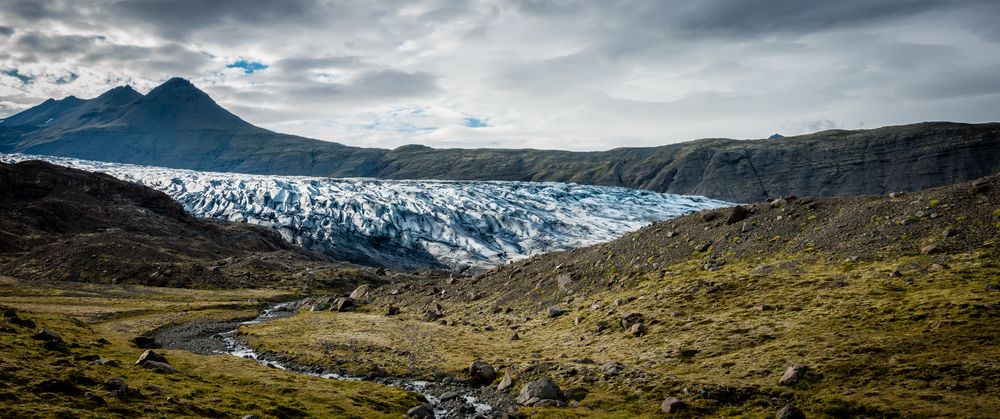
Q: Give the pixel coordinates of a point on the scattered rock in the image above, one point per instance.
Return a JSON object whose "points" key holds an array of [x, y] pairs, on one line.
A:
{"points": [[450, 395], [508, 380], [638, 329], [159, 367], [793, 375], [612, 368], [482, 373], [359, 293], [600, 327], [104, 362], [47, 335], [556, 311], [342, 304], [895, 274], [949, 232], [145, 342], [631, 318], [779, 203], [790, 412], [391, 310], [53, 341], [148, 356], [430, 315], [707, 215], [672, 405], [423, 411], [535, 391], [515, 336], [549, 403], [116, 384], [739, 213], [94, 398], [930, 250], [703, 247]]}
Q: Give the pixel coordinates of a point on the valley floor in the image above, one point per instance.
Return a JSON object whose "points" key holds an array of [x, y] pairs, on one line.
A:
{"points": [[857, 307]]}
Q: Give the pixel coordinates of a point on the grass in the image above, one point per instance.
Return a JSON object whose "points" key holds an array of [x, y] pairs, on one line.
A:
{"points": [[922, 345], [215, 386]]}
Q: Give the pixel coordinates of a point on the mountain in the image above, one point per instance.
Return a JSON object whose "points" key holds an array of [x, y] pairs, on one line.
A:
{"points": [[411, 224], [58, 223], [177, 125]]}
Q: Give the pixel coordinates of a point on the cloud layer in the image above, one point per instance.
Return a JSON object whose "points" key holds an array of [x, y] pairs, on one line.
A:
{"points": [[562, 74]]}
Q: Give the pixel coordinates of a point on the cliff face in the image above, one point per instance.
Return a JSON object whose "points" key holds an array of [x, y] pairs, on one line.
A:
{"points": [[177, 125]]}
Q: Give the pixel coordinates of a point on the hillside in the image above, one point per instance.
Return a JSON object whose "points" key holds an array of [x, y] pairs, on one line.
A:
{"points": [[889, 303], [64, 224], [176, 125]]}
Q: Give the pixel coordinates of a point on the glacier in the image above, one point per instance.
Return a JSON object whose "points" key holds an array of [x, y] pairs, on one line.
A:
{"points": [[410, 224]]}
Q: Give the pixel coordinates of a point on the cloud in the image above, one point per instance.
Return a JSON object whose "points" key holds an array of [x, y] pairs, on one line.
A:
{"points": [[523, 73]]}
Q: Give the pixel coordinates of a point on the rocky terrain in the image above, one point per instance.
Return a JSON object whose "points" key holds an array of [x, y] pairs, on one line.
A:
{"points": [[411, 225], [876, 306], [176, 125], [65, 224]]}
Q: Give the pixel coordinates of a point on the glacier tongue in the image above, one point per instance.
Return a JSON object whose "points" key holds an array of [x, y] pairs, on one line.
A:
{"points": [[411, 223]]}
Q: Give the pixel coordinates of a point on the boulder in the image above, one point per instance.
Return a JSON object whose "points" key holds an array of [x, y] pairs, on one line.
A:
{"points": [[630, 318], [638, 329], [739, 213], [508, 380], [149, 356], [793, 375], [549, 403], [556, 311], [930, 250], [116, 384], [423, 411], [104, 362], [612, 368], [450, 395], [481, 373], [159, 367], [430, 315], [53, 341], [672, 405], [790, 412], [342, 304], [360, 293], [47, 335], [539, 390], [145, 342]]}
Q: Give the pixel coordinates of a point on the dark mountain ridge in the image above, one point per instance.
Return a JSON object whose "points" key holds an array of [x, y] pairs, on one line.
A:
{"points": [[58, 223], [177, 125]]}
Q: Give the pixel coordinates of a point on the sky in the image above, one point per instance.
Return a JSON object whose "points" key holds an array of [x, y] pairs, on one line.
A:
{"points": [[552, 74]]}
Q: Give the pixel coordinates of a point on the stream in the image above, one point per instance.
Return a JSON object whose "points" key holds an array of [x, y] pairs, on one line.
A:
{"points": [[450, 398]]}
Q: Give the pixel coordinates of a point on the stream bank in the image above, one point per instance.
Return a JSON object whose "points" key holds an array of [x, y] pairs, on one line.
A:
{"points": [[450, 398]]}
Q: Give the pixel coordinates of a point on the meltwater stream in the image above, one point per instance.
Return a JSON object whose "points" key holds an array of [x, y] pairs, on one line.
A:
{"points": [[466, 405]]}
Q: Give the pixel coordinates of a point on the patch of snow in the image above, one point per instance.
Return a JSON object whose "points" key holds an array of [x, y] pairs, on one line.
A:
{"points": [[458, 223]]}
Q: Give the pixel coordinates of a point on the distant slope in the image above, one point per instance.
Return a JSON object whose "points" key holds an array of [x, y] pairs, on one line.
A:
{"points": [[177, 125], [58, 223]]}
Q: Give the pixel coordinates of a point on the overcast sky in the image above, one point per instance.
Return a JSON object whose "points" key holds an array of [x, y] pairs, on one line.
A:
{"points": [[559, 74]]}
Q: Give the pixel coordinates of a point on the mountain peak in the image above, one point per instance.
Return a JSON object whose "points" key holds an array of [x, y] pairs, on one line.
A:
{"points": [[178, 104], [119, 95]]}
